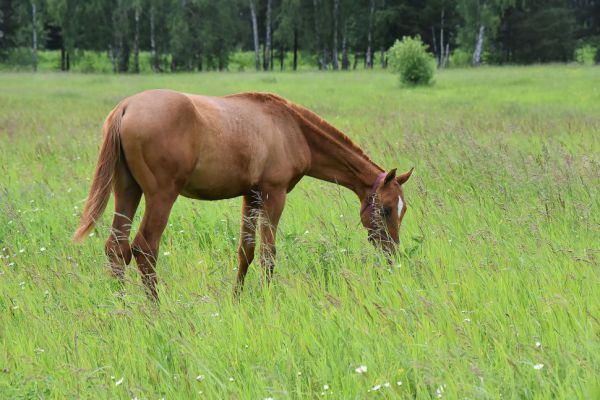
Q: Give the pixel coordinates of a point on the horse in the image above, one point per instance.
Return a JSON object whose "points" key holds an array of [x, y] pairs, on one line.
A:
{"points": [[164, 144]]}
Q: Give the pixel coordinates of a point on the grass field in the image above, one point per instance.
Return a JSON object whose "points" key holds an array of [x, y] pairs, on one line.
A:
{"points": [[495, 294]]}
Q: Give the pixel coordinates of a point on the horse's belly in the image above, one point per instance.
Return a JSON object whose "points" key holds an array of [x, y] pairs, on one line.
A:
{"points": [[215, 190], [221, 175]]}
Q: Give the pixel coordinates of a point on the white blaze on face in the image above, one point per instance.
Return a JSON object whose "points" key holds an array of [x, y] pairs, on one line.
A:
{"points": [[400, 205]]}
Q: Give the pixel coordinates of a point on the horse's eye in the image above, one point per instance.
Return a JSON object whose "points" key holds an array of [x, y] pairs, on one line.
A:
{"points": [[386, 211]]}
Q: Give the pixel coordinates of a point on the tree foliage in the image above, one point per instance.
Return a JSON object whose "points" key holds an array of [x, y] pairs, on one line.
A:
{"points": [[187, 35]]}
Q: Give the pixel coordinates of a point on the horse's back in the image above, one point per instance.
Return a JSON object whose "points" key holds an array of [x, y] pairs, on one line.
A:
{"points": [[215, 147]]}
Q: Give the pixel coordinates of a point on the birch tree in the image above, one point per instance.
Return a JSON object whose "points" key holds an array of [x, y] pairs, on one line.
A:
{"points": [[481, 18], [34, 40], [336, 17], [369, 55], [317, 34], [153, 53], [255, 35], [267, 48], [136, 37]]}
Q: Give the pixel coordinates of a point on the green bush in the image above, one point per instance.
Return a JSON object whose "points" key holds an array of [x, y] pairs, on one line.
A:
{"points": [[586, 55], [411, 60]]}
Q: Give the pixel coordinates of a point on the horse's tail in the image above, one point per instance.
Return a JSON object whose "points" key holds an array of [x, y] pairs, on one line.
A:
{"points": [[110, 153]]}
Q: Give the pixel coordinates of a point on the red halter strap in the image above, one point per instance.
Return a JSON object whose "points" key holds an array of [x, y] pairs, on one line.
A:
{"points": [[369, 200]]}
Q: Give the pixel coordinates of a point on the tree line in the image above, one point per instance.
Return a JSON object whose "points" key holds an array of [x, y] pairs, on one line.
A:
{"points": [[196, 35]]}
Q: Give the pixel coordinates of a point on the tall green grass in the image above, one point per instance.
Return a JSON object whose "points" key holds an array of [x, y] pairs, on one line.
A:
{"points": [[495, 293]]}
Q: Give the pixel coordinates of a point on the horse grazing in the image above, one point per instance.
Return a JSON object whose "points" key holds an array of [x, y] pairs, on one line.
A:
{"points": [[256, 145]]}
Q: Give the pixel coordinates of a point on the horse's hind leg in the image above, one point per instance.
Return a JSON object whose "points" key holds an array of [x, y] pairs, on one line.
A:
{"points": [[147, 241], [127, 198]]}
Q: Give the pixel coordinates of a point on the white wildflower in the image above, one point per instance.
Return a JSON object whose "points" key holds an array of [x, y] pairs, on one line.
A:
{"points": [[167, 253], [376, 387], [200, 378], [361, 370], [538, 366], [439, 391], [117, 383], [387, 385], [325, 387], [538, 345], [399, 383], [42, 249], [231, 379]]}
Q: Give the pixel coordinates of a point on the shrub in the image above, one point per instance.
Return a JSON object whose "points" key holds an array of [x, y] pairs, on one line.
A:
{"points": [[586, 54], [411, 60]]}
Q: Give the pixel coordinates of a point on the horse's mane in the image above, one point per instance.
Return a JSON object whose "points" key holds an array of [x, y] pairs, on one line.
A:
{"points": [[309, 118]]}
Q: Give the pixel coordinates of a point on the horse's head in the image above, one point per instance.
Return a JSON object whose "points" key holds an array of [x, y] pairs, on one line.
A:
{"points": [[383, 209]]}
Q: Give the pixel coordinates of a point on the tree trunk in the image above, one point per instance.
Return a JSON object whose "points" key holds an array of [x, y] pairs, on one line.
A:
{"points": [[34, 44], [153, 53], [136, 42], [446, 56], [336, 11], [317, 35], [281, 57], [383, 61], [68, 61], [345, 60], [113, 58], [295, 48], [63, 60], [3, 46], [441, 59], [255, 33], [369, 55], [438, 58], [267, 56], [478, 47]]}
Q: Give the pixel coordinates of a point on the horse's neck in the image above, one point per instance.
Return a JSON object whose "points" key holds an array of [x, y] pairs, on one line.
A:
{"points": [[335, 158]]}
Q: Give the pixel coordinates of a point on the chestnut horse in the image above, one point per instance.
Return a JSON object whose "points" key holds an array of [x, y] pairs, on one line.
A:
{"points": [[256, 145]]}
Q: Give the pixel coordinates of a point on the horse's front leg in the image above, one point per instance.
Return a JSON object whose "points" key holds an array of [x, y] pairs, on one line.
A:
{"points": [[250, 212], [273, 203]]}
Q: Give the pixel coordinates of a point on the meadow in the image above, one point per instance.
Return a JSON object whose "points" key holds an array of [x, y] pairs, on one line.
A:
{"points": [[494, 294]]}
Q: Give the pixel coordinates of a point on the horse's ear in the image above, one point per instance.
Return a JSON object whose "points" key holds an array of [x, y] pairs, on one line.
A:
{"points": [[391, 175], [402, 178]]}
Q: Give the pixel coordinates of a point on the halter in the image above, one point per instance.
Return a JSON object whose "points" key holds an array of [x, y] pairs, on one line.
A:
{"points": [[368, 203]]}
